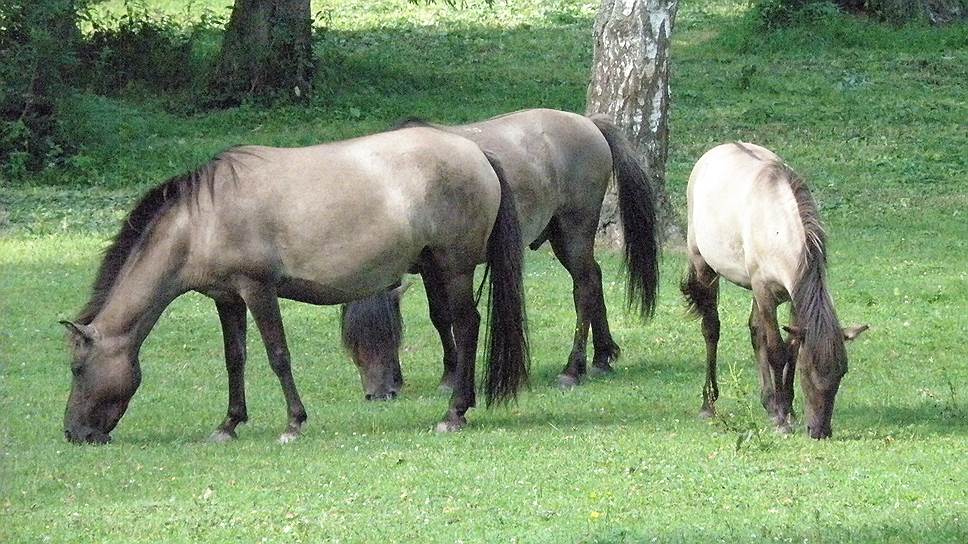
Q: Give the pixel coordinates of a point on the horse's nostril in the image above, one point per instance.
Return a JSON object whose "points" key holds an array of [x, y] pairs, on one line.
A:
{"points": [[392, 394], [368, 396]]}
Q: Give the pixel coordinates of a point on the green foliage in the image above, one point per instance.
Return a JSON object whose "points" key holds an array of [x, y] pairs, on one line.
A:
{"points": [[771, 14], [37, 52], [150, 48]]}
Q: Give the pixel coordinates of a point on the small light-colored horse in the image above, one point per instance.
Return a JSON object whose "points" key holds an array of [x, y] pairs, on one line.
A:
{"points": [[325, 224], [753, 221], [558, 164]]}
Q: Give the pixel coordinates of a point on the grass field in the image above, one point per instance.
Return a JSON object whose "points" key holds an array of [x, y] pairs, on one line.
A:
{"points": [[875, 118]]}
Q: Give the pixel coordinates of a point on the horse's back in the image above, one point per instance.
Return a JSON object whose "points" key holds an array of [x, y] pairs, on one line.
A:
{"points": [[555, 161], [743, 216], [353, 216]]}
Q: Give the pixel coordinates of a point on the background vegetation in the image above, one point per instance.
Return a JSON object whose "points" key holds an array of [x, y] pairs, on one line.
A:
{"points": [[872, 115]]}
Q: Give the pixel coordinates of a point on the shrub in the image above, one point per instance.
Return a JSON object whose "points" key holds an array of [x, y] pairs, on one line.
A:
{"points": [[151, 49], [37, 53], [778, 13]]}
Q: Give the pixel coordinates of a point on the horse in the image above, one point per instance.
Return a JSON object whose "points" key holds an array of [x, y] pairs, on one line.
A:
{"points": [[324, 224], [753, 221], [558, 165]]}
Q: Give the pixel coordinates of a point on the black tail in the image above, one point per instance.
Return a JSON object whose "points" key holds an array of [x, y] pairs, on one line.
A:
{"points": [[506, 344], [637, 207]]}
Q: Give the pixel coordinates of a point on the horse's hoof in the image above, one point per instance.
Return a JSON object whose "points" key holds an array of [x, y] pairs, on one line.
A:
{"points": [[222, 436], [707, 413], [602, 370], [566, 381], [784, 428], [291, 434], [390, 395], [451, 425], [288, 436]]}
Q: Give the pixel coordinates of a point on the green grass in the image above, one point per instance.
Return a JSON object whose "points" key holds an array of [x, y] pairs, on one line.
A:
{"points": [[873, 116]]}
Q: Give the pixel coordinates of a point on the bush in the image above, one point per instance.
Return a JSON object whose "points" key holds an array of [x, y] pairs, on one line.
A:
{"points": [[779, 13], [37, 54], [150, 49]]}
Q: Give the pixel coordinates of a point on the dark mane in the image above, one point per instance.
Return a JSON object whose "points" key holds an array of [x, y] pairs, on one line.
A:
{"points": [[139, 222], [372, 324], [812, 305]]}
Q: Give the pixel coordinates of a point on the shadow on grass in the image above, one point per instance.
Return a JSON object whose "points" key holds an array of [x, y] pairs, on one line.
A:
{"points": [[915, 530], [891, 420]]}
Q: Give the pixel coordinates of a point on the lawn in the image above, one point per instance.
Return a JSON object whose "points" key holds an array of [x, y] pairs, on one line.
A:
{"points": [[874, 117]]}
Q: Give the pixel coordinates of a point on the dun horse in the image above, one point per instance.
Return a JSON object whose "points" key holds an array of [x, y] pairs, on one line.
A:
{"points": [[325, 224], [753, 221], [558, 165]]}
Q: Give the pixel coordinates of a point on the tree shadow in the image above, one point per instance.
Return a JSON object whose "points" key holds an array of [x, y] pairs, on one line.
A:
{"points": [[391, 73], [891, 420], [913, 529]]}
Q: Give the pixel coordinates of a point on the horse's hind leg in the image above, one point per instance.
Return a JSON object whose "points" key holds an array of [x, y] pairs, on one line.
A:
{"points": [[467, 320], [264, 305], [231, 314], [701, 290], [574, 246], [443, 320]]}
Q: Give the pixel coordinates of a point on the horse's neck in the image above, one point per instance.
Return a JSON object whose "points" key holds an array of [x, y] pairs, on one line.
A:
{"points": [[144, 288]]}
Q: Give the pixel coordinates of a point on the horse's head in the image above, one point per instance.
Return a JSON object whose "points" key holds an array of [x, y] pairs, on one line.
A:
{"points": [[380, 373], [105, 378], [821, 371], [372, 330]]}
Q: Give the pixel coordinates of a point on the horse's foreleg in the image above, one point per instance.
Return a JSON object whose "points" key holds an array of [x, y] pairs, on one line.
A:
{"points": [[771, 354], [767, 394], [264, 305], [467, 320], [443, 320], [231, 314]]}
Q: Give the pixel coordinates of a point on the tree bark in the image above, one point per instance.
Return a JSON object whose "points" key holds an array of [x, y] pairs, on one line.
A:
{"points": [[266, 51], [630, 83]]}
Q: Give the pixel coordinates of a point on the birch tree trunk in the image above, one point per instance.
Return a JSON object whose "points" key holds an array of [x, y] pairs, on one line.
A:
{"points": [[267, 51], [630, 84]]}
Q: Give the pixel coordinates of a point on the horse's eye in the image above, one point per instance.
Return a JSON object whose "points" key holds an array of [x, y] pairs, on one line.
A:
{"points": [[77, 370]]}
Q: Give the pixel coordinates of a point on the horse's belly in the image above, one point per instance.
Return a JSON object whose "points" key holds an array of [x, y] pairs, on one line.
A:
{"points": [[727, 260], [334, 278]]}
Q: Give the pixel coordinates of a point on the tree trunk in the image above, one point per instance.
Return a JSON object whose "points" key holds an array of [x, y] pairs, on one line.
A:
{"points": [[630, 83], [266, 51]]}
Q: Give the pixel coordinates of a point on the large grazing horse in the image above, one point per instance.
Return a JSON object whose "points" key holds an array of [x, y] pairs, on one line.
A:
{"points": [[558, 165], [753, 221], [324, 224]]}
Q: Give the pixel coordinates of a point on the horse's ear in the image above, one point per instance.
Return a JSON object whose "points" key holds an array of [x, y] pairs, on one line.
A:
{"points": [[853, 332], [86, 332], [399, 291], [794, 331]]}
